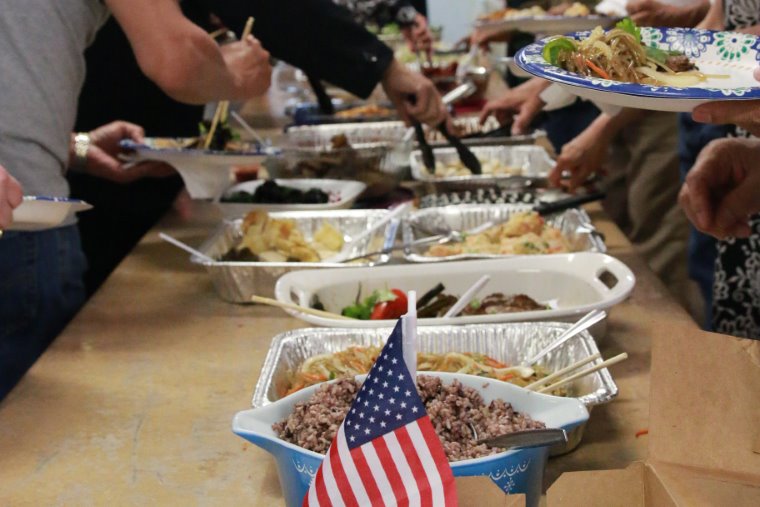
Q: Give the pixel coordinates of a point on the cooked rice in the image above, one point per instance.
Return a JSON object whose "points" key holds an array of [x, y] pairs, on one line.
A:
{"points": [[452, 409]]}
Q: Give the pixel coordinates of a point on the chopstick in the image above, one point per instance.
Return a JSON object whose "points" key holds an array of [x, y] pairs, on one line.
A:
{"points": [[465, 299], [605, 364], [298, 308], [224, 105], [564, 371]]}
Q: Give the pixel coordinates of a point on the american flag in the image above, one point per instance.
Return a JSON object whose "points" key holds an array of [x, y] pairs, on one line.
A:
{"points": [[386, 451]]}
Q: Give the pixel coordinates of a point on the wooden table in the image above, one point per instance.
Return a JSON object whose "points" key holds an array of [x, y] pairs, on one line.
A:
{"points": [[132, 404]]}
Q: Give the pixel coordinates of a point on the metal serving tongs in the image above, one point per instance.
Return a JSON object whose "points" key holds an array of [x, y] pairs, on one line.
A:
{"points": [[524, 439]]}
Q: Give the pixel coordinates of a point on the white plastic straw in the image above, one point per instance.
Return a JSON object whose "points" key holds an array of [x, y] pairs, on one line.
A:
{"points": [[409, 327], [184, 246], [467, 297]]}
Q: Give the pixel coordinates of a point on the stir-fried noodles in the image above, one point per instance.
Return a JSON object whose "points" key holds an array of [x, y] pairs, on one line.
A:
{"points": [[358, 360], [619, 55]]}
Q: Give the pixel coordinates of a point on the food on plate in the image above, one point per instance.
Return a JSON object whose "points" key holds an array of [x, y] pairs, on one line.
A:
{"points": [[270, 192], [358, 361], [383, 304], [523, 234], [455, 410], [490, 167], [224, 139], [267, 239], [341, 159], [489, 305], [380, 305], [368, 111], [619, 55], [577, 9]]}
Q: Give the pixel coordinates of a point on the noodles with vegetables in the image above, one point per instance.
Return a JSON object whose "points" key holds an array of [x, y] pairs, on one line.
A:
{"points": [[619, 55], [358, 361]]}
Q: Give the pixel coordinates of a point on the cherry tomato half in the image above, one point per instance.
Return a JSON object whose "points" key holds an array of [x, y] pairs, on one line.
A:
{"points": [[388, 310]]}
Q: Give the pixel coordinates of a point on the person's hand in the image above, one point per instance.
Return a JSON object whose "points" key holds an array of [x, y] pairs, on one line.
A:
{"points": [[483, 38], [648, 12], [249, 63], [518, 106], [721, 190], [744, 113], [418, 35], [581, 157], [10, 197], [401, 83], [102, 155]]}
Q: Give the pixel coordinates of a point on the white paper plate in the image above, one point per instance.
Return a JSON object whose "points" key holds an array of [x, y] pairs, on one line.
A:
{"points": [[343, 194], [39, 212], [572, 280], [206, 173], [723, 53], [548, 25]]}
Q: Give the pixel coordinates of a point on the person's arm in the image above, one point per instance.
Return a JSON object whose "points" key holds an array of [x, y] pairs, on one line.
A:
{"points": [[518, 105], [10, 197], [316, 36], [183, 60], [654, 13], [331, 46], [587, 153], [714, 18], [721, 190]]}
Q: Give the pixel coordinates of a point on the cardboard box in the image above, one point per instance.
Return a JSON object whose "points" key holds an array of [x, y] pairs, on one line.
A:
{"points": [[704, 431]]}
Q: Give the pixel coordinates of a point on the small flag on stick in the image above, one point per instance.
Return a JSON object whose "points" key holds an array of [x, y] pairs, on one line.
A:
{"points": [[386, 451]]}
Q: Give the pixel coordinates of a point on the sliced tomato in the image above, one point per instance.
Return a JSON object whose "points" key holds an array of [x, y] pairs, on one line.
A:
{"points": [[388, 310]]}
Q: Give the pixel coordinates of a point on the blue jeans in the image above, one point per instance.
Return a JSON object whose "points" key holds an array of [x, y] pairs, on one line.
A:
{"points": [[41, 289], [702, 247]]}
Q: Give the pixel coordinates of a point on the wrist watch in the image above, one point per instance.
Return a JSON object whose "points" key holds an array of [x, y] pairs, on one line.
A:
{"points": [[82, 143]]}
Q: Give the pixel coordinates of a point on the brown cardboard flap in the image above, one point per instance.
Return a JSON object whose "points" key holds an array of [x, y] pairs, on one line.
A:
{"points": [[482, 492], [607, 488], [705, 402], [691, 487]]}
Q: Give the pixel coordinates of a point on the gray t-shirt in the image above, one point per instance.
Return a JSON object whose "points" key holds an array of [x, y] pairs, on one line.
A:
{"points": [[42, 69]]}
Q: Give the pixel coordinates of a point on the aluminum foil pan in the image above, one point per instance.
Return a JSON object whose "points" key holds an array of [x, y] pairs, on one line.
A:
{"points": [[376, 155], [510, 343], [574, 224], [236, 282], [532, 163]]}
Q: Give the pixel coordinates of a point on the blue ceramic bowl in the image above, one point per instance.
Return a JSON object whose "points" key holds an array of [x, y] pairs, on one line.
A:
{"points": [[519, 471]]}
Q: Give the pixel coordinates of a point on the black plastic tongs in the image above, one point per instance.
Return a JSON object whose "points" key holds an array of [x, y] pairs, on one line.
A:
{"points": [[468, 158]]}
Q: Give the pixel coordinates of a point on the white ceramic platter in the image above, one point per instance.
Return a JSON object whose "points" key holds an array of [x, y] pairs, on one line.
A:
{"points": [[572, 283], [343, 194]]}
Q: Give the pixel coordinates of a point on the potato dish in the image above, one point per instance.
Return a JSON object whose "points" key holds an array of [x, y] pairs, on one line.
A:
{"points": [[267, 239], [523, 234], [490, 167]]}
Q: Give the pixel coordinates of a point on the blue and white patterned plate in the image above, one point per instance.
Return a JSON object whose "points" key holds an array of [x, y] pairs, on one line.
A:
{"points": [[716, 53], [41, 212]]}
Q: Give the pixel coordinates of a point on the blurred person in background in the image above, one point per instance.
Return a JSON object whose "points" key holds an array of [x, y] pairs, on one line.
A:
{"points": [[721, 198], [729, 266], [42, 68], [637, 150], [408, 15]]}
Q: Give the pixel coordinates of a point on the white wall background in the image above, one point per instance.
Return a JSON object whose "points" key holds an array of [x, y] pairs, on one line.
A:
{"points": [[456, 16]]}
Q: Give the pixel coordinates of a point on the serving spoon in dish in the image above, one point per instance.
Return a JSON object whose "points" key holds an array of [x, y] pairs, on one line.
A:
{"points": [[524, 439]]}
